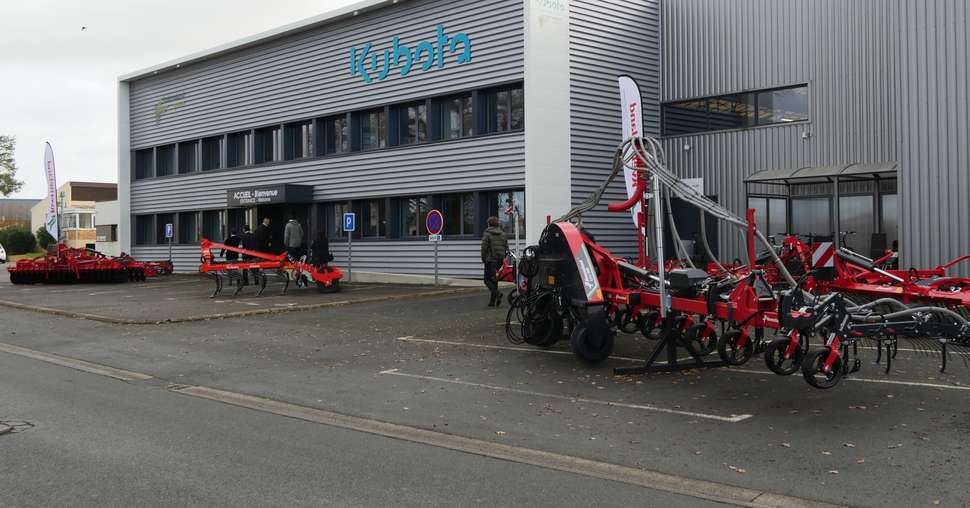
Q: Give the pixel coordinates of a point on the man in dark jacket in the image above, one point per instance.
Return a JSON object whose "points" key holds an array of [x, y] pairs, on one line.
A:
{"points": [[248, 241], [264, 236], [494, 248], [231, 241]]}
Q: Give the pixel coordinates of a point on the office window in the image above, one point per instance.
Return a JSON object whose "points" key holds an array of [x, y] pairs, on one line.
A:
{"points": [[413, 212], [237, 149], [211, 153], [372, 218], [503, 109], [165, 160], [333, 135], [144, 229], [455, 118], [106, 233], [459, 213], [85, 221], [160, 221], [187, 157], [507, 203], [736, 111], [297, 140], [372, 131], [264, 145], [412, 122], [337, 224], [783, 106], [188, 227], [144, 163], [212, 225]]}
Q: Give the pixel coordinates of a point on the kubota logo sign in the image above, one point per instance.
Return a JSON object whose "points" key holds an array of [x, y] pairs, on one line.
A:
{"points": [[376, 65]]}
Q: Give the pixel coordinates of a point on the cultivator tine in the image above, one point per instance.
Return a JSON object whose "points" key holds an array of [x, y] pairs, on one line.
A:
{"points": [[218, 279], [285, 275]]}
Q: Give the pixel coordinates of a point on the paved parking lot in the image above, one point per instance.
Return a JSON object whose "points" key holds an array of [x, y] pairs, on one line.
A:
{"points": [[442, 363]]}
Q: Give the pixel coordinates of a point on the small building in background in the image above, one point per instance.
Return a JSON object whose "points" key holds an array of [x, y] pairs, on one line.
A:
{"points": [[106, 230], [76, 211], [15, 212]]}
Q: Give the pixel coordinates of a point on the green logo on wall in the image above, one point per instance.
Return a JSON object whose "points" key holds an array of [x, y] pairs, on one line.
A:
{"points": [[166, 104]]}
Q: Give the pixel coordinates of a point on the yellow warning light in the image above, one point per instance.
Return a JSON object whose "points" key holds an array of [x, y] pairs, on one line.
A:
{"points": [[551, 280]]}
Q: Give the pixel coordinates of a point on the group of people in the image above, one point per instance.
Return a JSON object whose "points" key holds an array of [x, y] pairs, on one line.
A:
{"points": [[262, 240]]}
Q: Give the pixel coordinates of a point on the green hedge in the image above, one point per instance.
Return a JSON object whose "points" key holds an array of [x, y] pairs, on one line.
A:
{"points": [[44, 239], [17, 240]]}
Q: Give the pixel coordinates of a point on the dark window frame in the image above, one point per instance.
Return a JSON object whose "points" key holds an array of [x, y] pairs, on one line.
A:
{"points": [[753, 112]]}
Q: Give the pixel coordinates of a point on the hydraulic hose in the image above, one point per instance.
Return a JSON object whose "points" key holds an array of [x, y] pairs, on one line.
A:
{"points": [[707, 246]]}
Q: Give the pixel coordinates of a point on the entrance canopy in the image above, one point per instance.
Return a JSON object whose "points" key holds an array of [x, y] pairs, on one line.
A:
{"points": [[824, 174]]}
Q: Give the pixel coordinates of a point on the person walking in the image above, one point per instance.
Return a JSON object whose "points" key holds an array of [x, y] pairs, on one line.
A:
{"points": [[232, 240], [293, 238], [320, 250], [264, 236], [494, 248], [248, 242]]}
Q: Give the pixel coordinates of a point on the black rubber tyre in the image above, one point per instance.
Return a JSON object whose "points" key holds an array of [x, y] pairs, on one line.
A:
{"points": [[590, 346], [775, 357], [334, 287], [647, 323], [730, 352], [627, 323], [701, 347], [813, 374]]}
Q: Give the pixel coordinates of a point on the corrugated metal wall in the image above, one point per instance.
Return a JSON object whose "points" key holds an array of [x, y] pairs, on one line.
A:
{"points": [[308, 75], [888, 82], [609, 38]]}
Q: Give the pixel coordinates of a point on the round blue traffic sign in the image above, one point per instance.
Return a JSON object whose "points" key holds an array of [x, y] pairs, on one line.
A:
{"points": [[435, 222]]}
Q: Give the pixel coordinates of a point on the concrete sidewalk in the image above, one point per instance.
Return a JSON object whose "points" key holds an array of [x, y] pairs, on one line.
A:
{"points": [[182, 298]]}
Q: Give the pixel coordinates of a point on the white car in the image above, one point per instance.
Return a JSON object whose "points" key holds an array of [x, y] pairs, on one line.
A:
{"points": [[3, 255]]}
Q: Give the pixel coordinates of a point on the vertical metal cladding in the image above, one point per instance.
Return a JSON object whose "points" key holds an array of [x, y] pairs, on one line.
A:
{"points": [[887, 82], [308, 74], [608, 38]]}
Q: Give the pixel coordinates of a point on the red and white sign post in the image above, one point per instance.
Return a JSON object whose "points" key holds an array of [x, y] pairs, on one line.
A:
{"points": [[435, 222]]}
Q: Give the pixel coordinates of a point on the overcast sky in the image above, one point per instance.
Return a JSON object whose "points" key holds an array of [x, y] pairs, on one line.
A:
{"points": [[58, 83]]}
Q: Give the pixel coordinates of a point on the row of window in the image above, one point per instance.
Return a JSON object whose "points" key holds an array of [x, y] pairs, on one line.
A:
{"points": [[490, 111], [380, 218], [736, 111]]}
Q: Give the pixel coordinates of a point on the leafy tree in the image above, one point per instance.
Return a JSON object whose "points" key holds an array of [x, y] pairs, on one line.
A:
{"points": [[17, 240], [44, 239], [8, 167]]}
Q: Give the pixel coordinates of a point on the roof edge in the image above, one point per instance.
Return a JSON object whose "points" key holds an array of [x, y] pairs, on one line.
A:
{"points": [[303, 25]]}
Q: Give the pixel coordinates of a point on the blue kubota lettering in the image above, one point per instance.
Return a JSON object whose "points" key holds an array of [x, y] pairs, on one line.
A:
{"points": [[377, 65]]}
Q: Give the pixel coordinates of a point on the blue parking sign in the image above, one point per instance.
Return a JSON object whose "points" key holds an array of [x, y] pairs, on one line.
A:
{"points": [[169, 231], [350, 221]]}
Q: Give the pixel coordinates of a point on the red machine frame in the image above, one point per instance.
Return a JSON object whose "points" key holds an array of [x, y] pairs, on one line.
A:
{"points": [[327, 276]]}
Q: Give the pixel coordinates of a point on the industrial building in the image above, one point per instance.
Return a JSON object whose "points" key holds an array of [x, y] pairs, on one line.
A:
{"points": [[823, 115], [76, 211]]}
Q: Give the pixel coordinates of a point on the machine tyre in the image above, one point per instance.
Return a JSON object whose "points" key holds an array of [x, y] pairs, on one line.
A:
{"points": [[815, 376], [647, 323], [590, 348], [730, 352], [334, 287], [775, 357], [701, 348]]}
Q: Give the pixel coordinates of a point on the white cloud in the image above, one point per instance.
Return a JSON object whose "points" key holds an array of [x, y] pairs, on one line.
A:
{"points": [[58, 82]]}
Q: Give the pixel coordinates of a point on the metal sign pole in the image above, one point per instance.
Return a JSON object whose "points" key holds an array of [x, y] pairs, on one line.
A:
{"points": [[659, 239], [515, 220], [350, 256], [436, 263]]}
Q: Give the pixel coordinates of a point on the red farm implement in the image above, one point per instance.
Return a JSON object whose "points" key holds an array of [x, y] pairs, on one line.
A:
{"points": [[570, 286], [260, 266], [64, 265]]}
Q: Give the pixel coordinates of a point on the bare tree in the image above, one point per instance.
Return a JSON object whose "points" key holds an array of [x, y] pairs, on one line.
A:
{"points": [[8, 167]]}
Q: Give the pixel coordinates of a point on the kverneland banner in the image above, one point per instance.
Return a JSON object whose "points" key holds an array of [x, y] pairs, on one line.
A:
{"points": [[632, 119], [50, 218]]}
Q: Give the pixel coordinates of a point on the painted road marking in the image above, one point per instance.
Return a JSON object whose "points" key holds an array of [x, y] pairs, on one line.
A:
{"points": [[410, 338], [646, 407], [700, 489], [93, 368]]}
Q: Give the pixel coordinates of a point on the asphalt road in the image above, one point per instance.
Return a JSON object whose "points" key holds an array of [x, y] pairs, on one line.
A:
{"points": [[87, 440], [443, 364]]}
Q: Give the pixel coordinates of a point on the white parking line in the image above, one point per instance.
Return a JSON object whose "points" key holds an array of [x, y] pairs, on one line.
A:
{"points": [[410, 338], [728, 419]]}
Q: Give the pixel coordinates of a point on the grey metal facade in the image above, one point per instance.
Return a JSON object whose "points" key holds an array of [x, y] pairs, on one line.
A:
{"points": [[887, 82], [609, 38], [306, 75]]}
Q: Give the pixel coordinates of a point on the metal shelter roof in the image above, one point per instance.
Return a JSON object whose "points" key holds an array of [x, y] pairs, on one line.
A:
{"points": [[810, 174]]}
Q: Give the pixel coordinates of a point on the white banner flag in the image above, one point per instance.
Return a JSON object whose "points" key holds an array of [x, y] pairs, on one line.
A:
{"points": [[50, 218], [632, 116]]}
